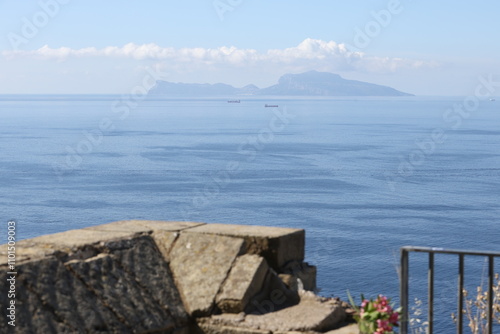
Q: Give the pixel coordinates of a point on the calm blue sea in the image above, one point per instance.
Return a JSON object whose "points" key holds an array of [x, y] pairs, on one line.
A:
{"points": [[363, 176]]}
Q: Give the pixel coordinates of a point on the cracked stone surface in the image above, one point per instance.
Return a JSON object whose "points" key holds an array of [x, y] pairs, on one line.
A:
{"points": [[142, 276], [244, 281], [52, 300], [312, 314], [126, 287], [277, 245], [143, 263], [200, 264], [144, 226]]}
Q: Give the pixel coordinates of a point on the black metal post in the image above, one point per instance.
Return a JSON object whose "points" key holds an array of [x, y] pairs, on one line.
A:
{"points": [[403, 294], [430, 289], [460, 313], [404, 284], [490, 293]]}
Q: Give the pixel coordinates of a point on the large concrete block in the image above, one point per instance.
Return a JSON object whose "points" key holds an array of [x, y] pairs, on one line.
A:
{"points": [[72, 244], [244, 281], [68, 240], [125, 285], [200, 264], [163, 232], [120, 292], [277, 245], [165, 241], [26, 250], [50, 299], [144, 264]]}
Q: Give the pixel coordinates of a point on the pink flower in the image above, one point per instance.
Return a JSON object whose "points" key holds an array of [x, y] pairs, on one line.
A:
{"points": [[378, 314], [393, 319], [383, 326]]}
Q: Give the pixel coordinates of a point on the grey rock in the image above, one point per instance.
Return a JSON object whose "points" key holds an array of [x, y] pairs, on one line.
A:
{"points": [[277, 245], [144, 264], [244, 281], [163, 232], [52, 300], [313, 314], [300, 271], [225, 324], [200, 263], [274, 296], [218, 329], [104, 276]]}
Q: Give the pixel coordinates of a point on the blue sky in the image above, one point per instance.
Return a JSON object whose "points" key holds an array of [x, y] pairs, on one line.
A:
{"points": [[69, 46]]}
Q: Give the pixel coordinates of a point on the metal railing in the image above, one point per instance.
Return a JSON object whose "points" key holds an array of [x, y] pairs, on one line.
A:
{"points": [[404, 284]]}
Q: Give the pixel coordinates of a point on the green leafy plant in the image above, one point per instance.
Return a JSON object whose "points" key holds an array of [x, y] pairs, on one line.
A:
{"points": [[376, 316]]}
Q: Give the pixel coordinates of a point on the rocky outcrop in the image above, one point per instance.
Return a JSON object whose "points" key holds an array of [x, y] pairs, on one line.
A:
{"points": [[167, 277], [312, 314], [200, 265], [93, 281]]}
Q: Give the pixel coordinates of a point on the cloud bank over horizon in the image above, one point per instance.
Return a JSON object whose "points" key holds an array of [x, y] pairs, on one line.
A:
{"points": [[309, 54]]}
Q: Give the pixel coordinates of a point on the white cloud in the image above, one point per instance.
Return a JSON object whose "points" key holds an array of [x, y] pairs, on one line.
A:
{"points": [[309, 54]]}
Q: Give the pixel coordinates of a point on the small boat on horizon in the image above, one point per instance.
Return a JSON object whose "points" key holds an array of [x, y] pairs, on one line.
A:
{"points": [[233, 101], [492, 99], [271, 106]]}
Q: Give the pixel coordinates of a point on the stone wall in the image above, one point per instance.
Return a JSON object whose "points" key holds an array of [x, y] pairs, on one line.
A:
{"points": [[167, 277]]}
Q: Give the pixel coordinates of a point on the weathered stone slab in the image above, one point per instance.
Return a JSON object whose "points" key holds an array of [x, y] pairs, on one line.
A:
{"points": [[144, 226], [25, 250], [79, 243], [163, 232], [200, 264], [144, 264], [277, 245], [30, 314], [312, 314], [218, 324], [348, 329], [50, 299], [218, 329], [117, 278], [244, 281], [120, 292], [165, 241], [77, 238], [72, 244]]}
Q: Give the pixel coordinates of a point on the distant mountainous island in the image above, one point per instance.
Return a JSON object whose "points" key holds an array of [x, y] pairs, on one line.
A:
{"points": [[310, 83]]}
